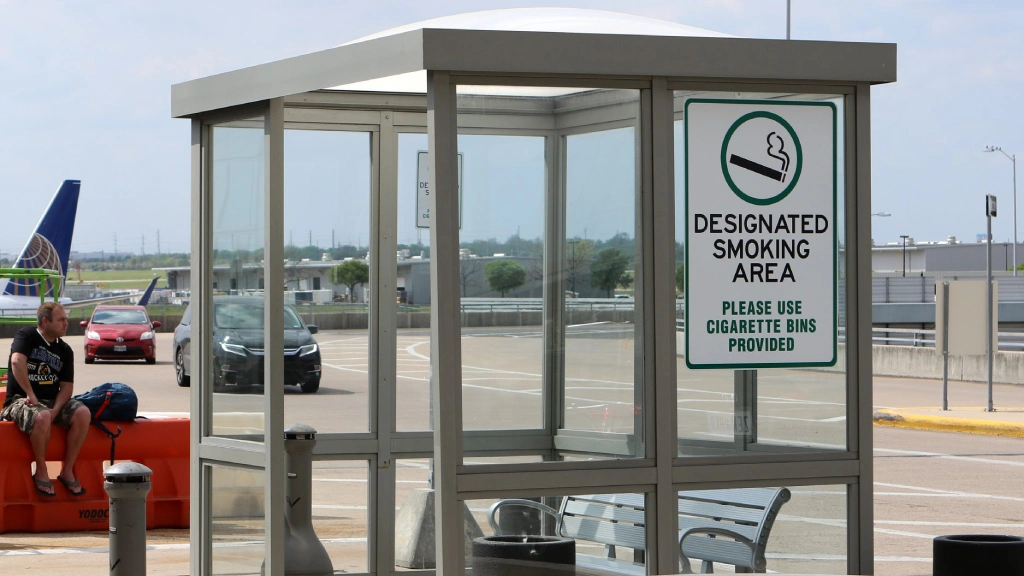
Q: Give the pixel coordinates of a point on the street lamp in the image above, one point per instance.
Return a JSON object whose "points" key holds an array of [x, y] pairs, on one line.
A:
{"points": [[881, 214], [1014, 160], [904, 237], [572, 266]]}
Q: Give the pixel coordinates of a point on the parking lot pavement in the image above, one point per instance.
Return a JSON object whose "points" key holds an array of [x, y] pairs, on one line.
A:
{"points": [[927, 482], [930, 483]]}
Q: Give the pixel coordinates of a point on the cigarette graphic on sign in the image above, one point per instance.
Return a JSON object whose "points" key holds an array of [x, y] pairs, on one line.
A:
{"points": [[773, 139]]}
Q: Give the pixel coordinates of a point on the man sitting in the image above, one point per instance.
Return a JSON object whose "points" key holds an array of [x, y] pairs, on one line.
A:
{"points": [[40, 381]]}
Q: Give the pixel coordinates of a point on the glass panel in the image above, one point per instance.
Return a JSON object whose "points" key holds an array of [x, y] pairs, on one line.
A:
{"points": [[340, 512], [549, 176], [601, 375], [238, 190], [413, 492], [237, 518], [412, 382], [582, 533], [327, 242], [766, 404], [803, 527], [501, 274], [810, 533]]}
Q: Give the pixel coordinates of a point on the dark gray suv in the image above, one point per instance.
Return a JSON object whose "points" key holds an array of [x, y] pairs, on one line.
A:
{"points": [[238, 347]]}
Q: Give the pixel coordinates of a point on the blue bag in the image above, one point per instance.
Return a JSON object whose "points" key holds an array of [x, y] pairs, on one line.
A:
{"points": [[111, 401]]}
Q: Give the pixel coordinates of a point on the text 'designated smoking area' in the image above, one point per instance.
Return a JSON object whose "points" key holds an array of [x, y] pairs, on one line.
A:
{"points": [[610, 311]]}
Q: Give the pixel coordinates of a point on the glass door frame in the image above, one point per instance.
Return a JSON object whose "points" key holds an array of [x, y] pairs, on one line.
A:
{"points": [[208, 450]]}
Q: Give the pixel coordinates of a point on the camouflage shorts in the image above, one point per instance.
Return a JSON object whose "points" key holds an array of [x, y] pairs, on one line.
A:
{"points": [[24, 416]]}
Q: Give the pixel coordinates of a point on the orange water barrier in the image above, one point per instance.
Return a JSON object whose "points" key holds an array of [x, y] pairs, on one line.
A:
{"points": [[158, 443]]}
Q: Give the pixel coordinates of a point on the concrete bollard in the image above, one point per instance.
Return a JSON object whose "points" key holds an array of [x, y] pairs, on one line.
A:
{"points": [[304, 553], [127, 484]]}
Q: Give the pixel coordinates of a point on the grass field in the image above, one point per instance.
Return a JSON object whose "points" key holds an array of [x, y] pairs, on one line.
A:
{"points": [[117, 279], [115, 275]]}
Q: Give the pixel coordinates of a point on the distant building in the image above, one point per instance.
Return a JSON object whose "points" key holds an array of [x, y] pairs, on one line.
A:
{"points": [[949, 255], [413, 278]]}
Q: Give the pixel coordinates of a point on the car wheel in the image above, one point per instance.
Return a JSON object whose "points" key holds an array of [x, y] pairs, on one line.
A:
{"points": [[150, 360], [311, 385], [90, 360], [179, 369]]}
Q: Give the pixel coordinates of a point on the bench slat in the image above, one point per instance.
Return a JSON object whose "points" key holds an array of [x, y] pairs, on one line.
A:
{"points": [[754, 497], [750, 532], [622, 534], [717, 550], [627, 499], [721, 511], [595, 510]]}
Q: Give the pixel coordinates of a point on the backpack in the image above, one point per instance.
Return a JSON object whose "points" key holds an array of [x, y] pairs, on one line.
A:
{"points": [[111, 401]]}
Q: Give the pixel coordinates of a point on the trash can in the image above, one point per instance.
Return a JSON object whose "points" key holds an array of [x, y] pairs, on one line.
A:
{"points": [[969, 554], [523, 556]]}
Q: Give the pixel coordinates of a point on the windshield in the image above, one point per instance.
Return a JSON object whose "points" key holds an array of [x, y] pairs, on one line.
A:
{"points": [[236, 316], [120, 317]]}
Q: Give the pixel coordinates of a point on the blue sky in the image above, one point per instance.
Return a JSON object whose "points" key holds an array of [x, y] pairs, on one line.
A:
{"points": [[85, 93]]}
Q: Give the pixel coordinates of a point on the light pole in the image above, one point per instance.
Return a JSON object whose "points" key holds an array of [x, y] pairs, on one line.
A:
{"points": [[572, 266], [1014, 160], [904, 237]]}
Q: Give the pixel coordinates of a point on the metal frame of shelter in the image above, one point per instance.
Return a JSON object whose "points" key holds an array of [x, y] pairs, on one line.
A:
{"points": [[297, 92]]}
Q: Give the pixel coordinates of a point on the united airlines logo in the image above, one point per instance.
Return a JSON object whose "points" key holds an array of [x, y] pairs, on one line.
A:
{"points": [[39, 253]]}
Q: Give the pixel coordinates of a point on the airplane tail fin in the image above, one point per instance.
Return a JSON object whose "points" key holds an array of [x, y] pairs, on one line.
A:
{"points": [[148, 293], [50, 245]]}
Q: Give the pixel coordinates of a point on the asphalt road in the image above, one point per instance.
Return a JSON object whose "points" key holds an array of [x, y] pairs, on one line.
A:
{"points": [[926, 483]]}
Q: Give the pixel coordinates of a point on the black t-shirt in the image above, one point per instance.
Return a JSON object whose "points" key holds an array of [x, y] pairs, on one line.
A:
{"points": [[48, 365]]}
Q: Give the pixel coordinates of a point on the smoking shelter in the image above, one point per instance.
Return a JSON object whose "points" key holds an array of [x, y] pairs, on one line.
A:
{"points": [[647, 253]]}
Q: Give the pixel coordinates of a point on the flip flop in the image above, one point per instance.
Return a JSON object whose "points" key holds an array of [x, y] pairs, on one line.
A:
{"points": [[41, 484], [72, 486]]}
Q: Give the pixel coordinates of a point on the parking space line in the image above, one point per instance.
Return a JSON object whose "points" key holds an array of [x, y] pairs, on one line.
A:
{"points": [[973, 459]]}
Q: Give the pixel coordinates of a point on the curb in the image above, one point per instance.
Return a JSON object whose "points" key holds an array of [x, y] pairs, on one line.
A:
{"points": [[890, 417]]}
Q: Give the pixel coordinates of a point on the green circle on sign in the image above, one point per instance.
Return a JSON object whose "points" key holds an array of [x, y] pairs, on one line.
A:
{"points": [[799, 158]]}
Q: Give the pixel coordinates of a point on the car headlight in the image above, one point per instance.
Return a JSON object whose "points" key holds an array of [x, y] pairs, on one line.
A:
{"points": [[92, 335], [234, 349], [307, 349], [146, 336]]}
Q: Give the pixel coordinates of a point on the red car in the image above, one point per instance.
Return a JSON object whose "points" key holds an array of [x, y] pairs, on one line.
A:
{"points": [[120, 333]]}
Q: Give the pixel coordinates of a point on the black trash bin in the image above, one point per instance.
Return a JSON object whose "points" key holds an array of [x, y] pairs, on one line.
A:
{"points": [[523, 556], [969, 554]]}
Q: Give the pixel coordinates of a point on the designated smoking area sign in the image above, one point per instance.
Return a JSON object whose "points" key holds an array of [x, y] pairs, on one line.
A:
{"points": [[761, 238]]}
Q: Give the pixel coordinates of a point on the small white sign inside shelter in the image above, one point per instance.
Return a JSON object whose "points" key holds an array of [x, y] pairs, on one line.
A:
{"points": [[423, 190]]}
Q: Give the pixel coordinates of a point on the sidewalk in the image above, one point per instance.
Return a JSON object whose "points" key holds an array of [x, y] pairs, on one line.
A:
{"points": [[1007, 421]]}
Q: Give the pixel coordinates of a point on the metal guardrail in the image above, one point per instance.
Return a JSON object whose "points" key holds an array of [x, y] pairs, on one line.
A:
{"points": [[921, 288]]}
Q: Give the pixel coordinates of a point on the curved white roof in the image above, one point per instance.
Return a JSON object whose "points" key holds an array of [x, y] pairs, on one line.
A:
{"points": [[564, 20], [547, 42], [568, 20]]}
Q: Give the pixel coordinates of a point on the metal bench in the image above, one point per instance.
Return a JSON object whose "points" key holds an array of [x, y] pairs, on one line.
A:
{"points": [[729, 526]]}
